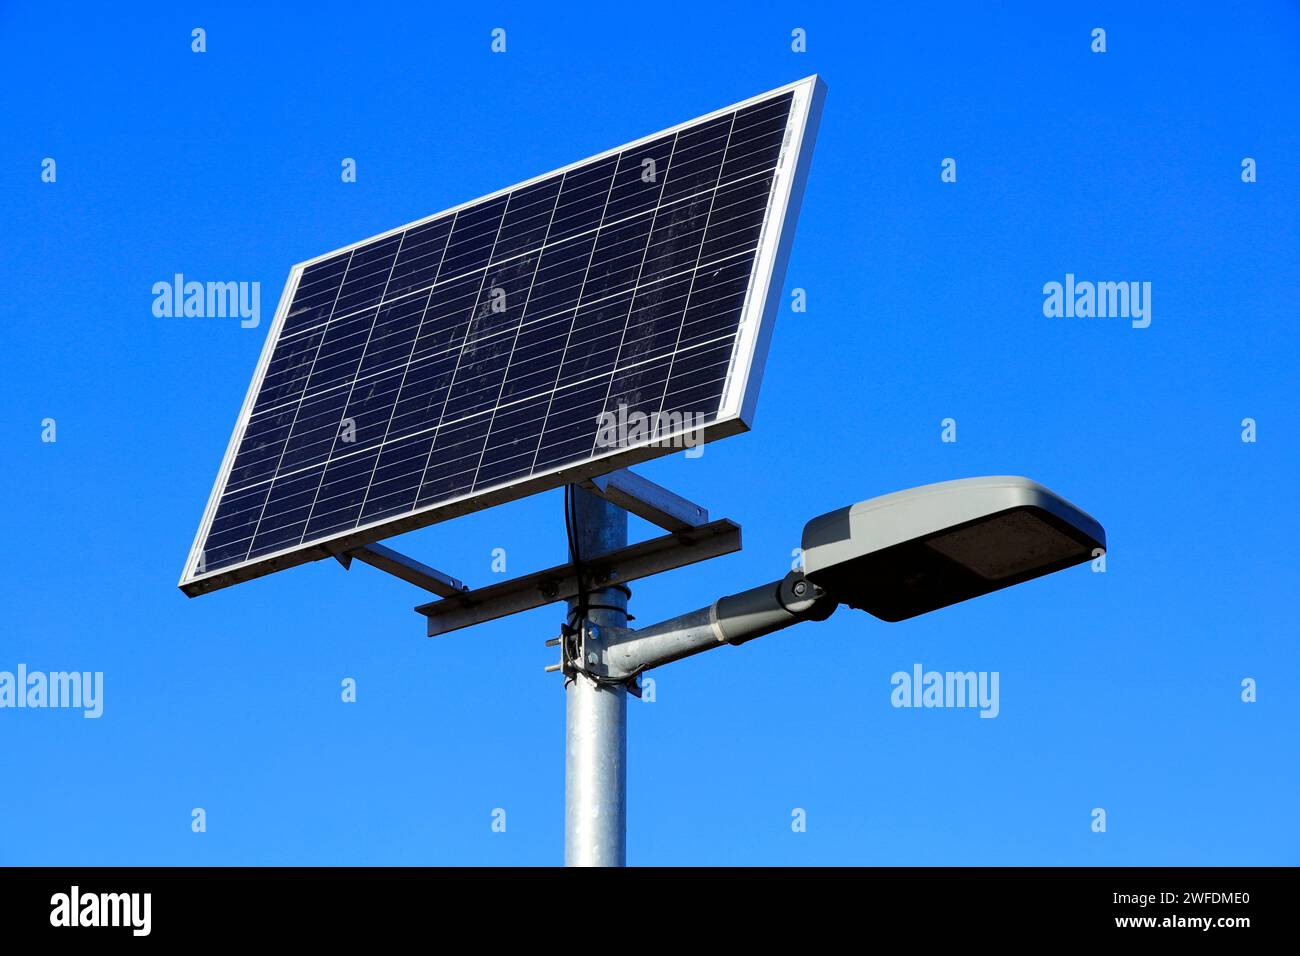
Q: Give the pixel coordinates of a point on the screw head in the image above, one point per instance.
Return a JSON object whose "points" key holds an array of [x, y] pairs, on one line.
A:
{"points": [[800, 588]]}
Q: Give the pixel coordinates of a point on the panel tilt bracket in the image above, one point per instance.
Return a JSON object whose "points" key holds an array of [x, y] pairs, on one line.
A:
{"points": [[643, 498], [400, 566]]}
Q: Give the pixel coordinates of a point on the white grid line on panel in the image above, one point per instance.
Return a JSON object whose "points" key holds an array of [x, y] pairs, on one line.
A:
{"points": [[505, 375], [703, 238], [397, 396], [577, 310], [464, 347], [289, 435], [329, 457]]}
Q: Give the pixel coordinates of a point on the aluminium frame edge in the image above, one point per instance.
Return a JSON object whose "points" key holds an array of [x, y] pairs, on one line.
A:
{"points": [[241, 422], [763, 299]]}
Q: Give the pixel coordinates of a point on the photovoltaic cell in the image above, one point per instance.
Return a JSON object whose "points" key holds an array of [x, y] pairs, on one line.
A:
{"points": [[481, 349]]}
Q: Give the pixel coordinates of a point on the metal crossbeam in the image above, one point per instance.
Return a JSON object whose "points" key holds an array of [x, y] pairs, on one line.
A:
{"points": [[561, 583]]}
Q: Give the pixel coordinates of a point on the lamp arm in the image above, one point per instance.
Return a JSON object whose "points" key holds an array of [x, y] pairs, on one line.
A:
{"points": [[734, 619]]}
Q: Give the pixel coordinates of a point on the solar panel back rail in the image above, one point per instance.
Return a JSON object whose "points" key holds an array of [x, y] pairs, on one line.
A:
{"points": [[501, 347]]}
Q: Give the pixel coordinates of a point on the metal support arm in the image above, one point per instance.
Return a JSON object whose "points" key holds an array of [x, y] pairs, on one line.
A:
{"points": [[730, 620], [645, 499], [400, 566]]}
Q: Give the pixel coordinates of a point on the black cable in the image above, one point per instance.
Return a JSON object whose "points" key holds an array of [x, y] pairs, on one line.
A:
{"points": [[628, 681], [580, 608], [584, 604], [575, 555]]}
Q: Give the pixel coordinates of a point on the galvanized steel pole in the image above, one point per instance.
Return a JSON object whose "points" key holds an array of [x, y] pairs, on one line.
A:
{"points": [[595, 767]]}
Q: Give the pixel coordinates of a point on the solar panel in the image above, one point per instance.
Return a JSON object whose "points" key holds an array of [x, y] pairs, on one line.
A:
{"points": [[474, 357]]}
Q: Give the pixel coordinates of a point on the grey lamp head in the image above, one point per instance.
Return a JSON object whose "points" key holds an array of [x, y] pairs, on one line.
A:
{"points": [[914, 551]]}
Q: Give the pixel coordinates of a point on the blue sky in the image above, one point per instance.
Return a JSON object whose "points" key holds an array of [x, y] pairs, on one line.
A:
{"points": [[1119, 690]]}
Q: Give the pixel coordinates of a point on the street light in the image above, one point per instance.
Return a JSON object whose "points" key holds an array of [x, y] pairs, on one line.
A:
{"points": [[895, 556], [918, 550]]}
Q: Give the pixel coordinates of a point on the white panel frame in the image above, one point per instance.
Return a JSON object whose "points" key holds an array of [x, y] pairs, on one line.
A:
{"points": [[740, 394]]}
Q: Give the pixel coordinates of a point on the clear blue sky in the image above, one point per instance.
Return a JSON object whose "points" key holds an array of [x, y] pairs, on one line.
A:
{"points": [[1119, 690]]}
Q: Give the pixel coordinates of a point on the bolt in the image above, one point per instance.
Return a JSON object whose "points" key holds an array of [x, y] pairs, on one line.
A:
{"points": [[800, 587]]}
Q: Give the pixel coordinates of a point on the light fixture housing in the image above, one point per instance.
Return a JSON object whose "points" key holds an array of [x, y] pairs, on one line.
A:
{"points": [[914, 551]]}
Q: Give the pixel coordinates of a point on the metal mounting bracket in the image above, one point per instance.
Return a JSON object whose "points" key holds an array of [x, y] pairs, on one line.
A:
{"points": [[675, 550], [645, 499], [400, 566]]}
